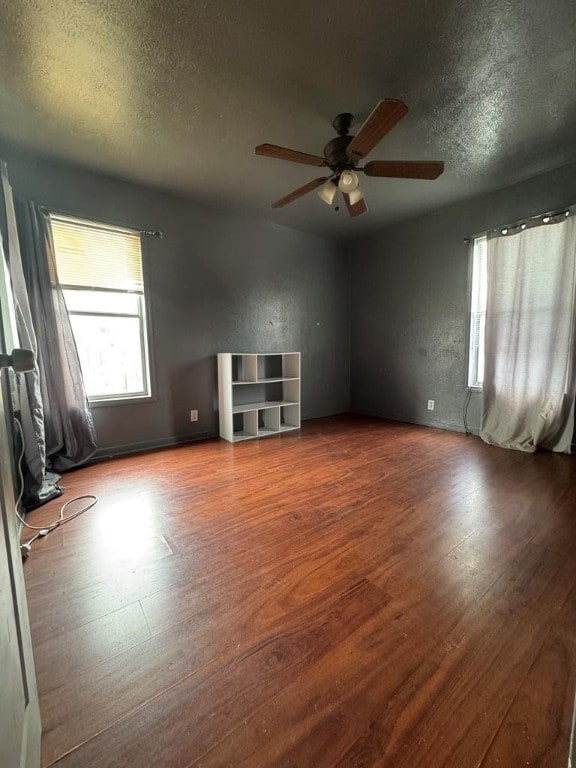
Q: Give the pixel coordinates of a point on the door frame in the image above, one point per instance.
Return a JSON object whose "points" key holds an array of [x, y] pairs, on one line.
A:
{"points": [[31, 732]]}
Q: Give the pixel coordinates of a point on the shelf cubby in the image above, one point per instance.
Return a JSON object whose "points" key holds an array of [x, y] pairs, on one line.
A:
{"points": [[289, 417], [245, 425], [268, 421], [244, 368]]}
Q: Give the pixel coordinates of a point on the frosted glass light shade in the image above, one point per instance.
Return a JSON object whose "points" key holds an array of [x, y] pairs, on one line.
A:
{"points": [[327, 192], [355, 196], [348, 181]]}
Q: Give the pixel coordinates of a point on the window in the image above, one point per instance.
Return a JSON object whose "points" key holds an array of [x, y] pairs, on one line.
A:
{"points": [[100, 271], [478, 312]]}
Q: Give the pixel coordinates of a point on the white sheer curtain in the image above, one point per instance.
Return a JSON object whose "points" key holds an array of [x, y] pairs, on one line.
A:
{"points": [[530, 368]]}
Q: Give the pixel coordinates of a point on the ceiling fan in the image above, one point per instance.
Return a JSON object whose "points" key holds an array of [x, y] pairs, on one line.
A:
{"points": [[343, 153]]}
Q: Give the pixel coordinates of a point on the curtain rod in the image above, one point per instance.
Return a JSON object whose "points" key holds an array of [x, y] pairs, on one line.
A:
{"points": [[545, 218], [67, 215]]}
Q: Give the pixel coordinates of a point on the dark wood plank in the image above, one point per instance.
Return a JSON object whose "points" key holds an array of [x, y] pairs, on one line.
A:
{"points": [[71, 654], [317, 719], [536, 728], [188, 718], [438, 653]]}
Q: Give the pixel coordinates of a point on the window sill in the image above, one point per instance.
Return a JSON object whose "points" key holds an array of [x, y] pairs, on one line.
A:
{"points": [[475, 389], [113, 401]]}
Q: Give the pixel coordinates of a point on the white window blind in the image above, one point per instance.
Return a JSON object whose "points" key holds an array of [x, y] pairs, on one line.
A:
{"points": [[478, 311], [91, 255]]}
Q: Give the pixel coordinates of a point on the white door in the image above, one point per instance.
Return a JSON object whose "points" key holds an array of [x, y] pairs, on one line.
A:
{"points": [[19, 712]]}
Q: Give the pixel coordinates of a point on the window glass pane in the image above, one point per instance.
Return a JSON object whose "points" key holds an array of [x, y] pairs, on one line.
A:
{"points": [[110, 354], [102, 301], [480, 367], [478, 312]]}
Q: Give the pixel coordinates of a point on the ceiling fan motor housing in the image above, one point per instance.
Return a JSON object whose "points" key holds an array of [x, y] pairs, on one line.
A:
{"points": [[342, 123], [335, 150], [335, 153]]}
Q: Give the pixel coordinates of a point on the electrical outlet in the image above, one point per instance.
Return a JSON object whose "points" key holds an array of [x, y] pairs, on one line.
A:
{"points": [[430, 405], [193, 415]]}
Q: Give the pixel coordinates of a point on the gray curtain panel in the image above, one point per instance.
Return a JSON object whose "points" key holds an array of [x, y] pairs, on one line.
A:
{"points": [[530, 350], [29, 408], [68, 425]]}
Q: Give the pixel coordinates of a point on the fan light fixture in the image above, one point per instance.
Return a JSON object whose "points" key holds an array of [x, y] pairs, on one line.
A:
{"points": [[327, 193], [348, 181]]}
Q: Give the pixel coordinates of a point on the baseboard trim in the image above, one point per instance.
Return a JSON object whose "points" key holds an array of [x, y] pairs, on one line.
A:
{"points": [[167, 442], [449, 426], [111, 452], [310, 416], [148, 445]]}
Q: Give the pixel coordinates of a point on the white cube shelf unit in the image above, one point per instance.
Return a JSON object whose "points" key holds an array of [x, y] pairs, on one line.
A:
{"points": [[258, 394]]}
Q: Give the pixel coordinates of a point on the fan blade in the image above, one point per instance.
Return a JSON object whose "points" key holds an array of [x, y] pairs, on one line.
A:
{"points": [[281, 153], [312, 185], [404, 169], [356, 209], [381, 120]]}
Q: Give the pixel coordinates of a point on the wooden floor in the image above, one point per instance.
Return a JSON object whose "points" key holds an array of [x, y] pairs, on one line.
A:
{"points": [[359, 593]]}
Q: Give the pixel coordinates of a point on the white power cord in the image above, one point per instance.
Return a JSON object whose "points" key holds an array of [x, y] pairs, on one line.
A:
{"points": [[45, 529]]}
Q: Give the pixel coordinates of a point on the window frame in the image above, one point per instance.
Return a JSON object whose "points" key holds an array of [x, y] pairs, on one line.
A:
{"points": [[471, 363], [146, 345]]}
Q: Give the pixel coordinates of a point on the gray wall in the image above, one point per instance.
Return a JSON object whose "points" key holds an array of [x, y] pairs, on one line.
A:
{"points": [[217, 282], [410, 303]]}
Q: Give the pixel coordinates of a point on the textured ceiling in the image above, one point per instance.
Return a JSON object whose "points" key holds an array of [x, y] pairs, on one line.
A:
{"points": [[177, 94]]}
